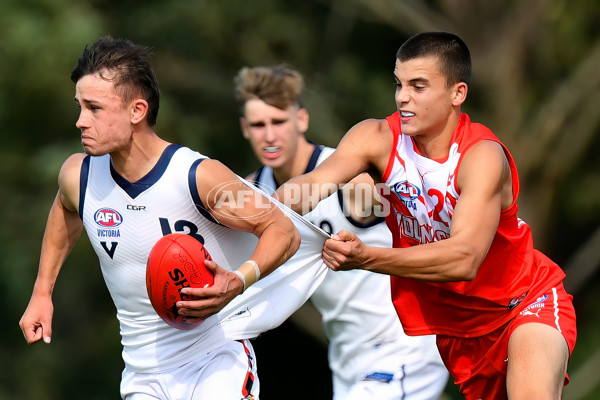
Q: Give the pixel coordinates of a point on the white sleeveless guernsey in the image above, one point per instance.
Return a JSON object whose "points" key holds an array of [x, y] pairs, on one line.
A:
{"points": [[358, 317], [123, 221]]}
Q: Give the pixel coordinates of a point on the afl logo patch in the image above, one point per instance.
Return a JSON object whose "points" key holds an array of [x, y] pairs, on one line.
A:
{"points": [[108, 218], [407, 191]]}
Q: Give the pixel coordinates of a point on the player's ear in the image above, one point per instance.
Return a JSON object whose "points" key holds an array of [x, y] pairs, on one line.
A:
{"points": [[459, 93], [139, 110], [244, 127], [302, 120]]}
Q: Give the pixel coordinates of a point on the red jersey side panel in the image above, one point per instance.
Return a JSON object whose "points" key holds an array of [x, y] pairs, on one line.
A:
{"points": [[422, 194]]}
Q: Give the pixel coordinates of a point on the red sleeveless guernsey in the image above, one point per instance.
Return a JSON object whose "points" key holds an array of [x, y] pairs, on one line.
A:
{"points": [[422, 194]]}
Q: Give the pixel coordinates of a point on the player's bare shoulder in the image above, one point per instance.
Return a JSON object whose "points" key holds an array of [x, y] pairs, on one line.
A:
{"points": [[215, 180], [373, 138], [485, 166], [211, 173], [69, 179]]}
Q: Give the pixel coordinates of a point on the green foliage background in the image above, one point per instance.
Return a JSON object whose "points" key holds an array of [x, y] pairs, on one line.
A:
{"points": [[536, 84]]}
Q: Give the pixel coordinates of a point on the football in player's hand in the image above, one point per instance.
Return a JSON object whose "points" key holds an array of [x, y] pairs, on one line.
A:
{"points": [[176, 261]]}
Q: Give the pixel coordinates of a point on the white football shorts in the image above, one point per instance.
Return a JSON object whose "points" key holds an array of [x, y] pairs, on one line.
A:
{"points": [[225, 373]]}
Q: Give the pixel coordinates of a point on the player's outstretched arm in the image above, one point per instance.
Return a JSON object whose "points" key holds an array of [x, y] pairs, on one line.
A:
{"points": [[485, 184], [365, 146], [240, 207], [63, 228]]}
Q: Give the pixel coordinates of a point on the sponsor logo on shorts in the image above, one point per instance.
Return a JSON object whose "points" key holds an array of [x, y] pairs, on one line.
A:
{"points": [[243, 313], [384, 377]]}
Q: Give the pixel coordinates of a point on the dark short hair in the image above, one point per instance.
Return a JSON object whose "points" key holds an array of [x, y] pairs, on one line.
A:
{"points": [[127, 65], [453, 53]]}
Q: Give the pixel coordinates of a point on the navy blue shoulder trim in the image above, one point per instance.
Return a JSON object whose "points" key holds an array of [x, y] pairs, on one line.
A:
{"points": [[314, 157], [194, 192], [83, 180], [258, 174], [134, 189]]}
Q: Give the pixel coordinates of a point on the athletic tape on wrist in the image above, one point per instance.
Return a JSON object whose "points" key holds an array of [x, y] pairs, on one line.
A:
{"points": [[256, 269], [249, 273]]}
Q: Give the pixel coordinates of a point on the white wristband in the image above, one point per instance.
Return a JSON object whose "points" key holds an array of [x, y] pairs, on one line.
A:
{"points": [[241, 276]]}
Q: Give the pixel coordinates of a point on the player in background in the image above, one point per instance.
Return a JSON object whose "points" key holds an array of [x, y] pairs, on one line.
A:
{"points": [[369, 354], [463, 264], [129, 189]]}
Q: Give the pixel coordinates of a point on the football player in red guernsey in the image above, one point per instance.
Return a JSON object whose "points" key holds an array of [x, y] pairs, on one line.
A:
{"points": [[462, 265]]}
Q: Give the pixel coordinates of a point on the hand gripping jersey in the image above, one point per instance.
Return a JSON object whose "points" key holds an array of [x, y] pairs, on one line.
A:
{"points": [[123, 221], [422, 193], [357, 314]]}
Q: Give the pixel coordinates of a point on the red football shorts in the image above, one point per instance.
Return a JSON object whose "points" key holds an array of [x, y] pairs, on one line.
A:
{"points": [[478, 365]]}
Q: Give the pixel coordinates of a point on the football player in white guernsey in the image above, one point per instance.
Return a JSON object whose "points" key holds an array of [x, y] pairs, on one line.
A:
{"points": [[130, 188], [369, 354]]}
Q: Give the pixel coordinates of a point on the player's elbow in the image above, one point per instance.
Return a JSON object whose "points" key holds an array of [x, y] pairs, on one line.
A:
{"points": [[469, 274], [287, 235], [469, 261]]}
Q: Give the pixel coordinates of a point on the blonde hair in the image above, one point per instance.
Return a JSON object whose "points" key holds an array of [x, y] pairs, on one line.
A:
{"points": [[278, 86]]}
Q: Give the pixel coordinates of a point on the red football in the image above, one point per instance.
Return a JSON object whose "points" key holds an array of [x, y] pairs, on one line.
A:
{"points": [[176, 261]]}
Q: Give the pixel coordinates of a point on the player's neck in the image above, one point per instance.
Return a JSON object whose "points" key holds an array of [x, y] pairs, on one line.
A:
{"points": [[436, 145], [297, 163], [139, 157]]}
